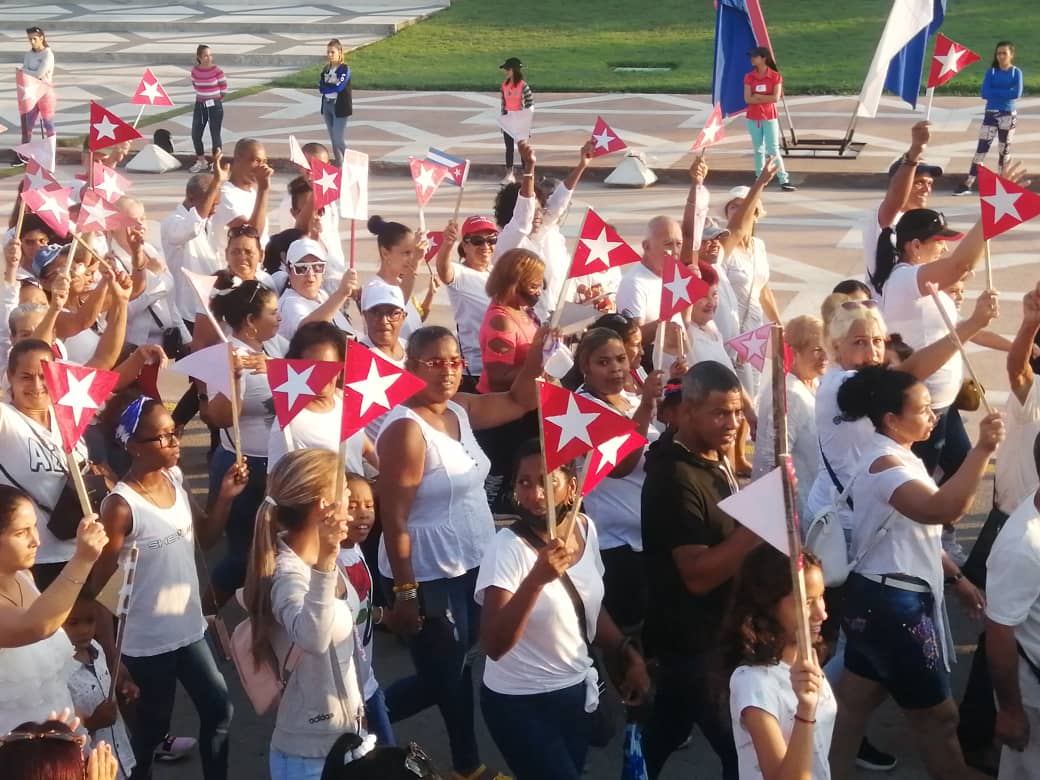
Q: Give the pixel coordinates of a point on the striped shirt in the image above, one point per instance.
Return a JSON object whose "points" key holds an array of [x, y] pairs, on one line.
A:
{"points": [[209, 83]]}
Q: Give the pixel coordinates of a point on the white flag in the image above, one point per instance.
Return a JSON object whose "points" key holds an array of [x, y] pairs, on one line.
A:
{"points": [[353, 194], [517, 123], [210, 365], [759, 507], [906, 19]]}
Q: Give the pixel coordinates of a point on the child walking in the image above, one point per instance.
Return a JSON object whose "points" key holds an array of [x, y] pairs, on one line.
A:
{"points": [[516, 96], [210, 88]]}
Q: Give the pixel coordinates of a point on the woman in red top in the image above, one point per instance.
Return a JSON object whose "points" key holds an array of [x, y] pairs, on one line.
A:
{"points": [[762, 89], [516, 96]]}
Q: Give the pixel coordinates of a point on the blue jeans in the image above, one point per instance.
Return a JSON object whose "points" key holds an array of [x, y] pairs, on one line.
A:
{"points": [[230, 573], [203, 115], [157, 677], [379, 719], [286, 767], [542, 736], [765, 142], [337, 127], [442, 675]]}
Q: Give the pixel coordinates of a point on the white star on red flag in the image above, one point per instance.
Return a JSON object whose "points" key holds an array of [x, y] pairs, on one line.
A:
{"points": [[599, 248], [295, 383], [606, 140], [436, 238], [52, 206], [680, 288], [712, 132], [372, 386], [948, 59], [427, 177], [573, 424], [606, 457], [106, 129], [30, 89], [77, 393], [325, 183], [97, 214], [751, 346], [1004, 204], [150, 92], [39, 178]]}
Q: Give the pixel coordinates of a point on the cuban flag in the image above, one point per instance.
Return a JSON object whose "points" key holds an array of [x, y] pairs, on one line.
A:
{"points": [[908, 21], [457, 167], [905, 69], [739, 27]]}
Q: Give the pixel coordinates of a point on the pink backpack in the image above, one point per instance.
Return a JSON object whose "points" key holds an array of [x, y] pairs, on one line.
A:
{"points": [[262, 682]]}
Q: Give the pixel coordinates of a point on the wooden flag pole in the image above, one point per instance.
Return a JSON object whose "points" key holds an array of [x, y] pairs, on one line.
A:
{"points": [[561, 298], [353, 241], [422, 222], [989, 268], [783, 461], [90, 170], [462, 189], [567, 528], [931, 97], [78, 239], [658, 356], [550, 494], [952, 329], [139, 114], [21, 218], [236, 429], [129, 572], [77, 481]]}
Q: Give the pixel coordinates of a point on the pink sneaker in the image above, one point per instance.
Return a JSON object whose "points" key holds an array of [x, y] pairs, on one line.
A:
{"points": [[174, 748]]}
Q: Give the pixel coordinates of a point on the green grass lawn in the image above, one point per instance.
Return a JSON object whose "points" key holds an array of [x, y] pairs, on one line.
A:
{"points": [[823, 46]]}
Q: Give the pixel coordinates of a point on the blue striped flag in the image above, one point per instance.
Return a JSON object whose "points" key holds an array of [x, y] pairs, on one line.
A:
{"points": [[457, 167]]}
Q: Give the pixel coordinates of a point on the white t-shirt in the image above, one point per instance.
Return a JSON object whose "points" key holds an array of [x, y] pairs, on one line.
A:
{"points": [[81, 347], [551, 654], [315, 429], [1016, 477], [615, 503], [727, 315], [843, 443], [352, 566], [294, 308], [469, 301], [706, 343], [1013, 586], [234, 203], [768, 688], [871, 233], [256, 407], [639, 294], [915, 317], [748, 272]]}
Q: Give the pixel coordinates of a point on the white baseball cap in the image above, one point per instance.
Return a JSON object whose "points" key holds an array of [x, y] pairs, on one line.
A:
{"points": [[380, 293], [304, 247]]}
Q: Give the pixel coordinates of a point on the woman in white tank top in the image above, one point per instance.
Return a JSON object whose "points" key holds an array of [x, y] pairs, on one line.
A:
{"points": [[164, 640], [436, 525]]}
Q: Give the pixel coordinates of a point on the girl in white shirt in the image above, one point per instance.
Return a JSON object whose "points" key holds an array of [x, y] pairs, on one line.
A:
{"points": [[898, 642], [540, 682], [780, 703]]}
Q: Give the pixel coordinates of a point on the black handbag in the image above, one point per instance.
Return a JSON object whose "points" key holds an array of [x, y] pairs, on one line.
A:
{"points": [[603, 723], [64, 519]]}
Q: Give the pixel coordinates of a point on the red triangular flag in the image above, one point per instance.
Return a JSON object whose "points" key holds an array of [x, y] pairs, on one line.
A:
{"points": [[606, 140], [38, 178], [599, 248], [607, 455], [96, 214], [1004, 204], [573, 425], [296, 155], [325, 183], [948, 59], [30, 90], [148, 380], [680, 288], [106, 129], [150, 92], [295, 383], [372, 386], [427, 177], [77, 392], [712, 132], [435, 238], [751, 346], [52, 206]]}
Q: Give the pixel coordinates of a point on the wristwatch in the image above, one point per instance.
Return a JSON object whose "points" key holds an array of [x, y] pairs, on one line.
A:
{"points": [[907, 161]]}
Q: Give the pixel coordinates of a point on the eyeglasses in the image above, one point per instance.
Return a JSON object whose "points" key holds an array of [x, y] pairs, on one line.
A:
{"points": [[417, 762], [389, 314], [302, 269], [164, 439], [243, 230], [482, 240], [440, 364], [870, 303], [26, 736], [33, 31]]}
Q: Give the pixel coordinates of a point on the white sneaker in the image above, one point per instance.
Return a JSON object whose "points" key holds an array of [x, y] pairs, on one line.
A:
{"points": [[509, 178], [199, 167]]}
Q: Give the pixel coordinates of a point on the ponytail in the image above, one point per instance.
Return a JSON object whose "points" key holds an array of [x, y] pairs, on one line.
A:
{"points": [[771, 63], [885, 258], [258, 581]]}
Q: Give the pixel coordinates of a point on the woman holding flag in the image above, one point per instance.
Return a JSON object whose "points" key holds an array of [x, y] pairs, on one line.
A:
{"points": [[437, 525]]}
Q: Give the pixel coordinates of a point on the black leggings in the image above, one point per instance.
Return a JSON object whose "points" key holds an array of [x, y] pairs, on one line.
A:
{"points": [[509, 148]]}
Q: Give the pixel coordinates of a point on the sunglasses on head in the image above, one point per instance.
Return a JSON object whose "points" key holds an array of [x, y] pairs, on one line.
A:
{"points": [[302, 269], [870, 303], [33, 31], [26, 736], [482, 240], [243, 230]]}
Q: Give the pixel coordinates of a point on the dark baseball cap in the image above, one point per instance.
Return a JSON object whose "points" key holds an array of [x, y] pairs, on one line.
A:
{"points": [[923, 169], [511, 63], [924, 224], [759, 51]]}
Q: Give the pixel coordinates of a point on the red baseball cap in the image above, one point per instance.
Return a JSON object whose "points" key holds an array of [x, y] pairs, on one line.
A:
{"points": [[478, 225]]}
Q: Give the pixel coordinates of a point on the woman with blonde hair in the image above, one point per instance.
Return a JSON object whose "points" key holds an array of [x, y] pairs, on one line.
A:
{"points": [[336, 98], [293, 596]]}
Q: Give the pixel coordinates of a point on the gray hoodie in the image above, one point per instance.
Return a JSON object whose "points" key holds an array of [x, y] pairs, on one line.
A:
{"points": [[315, 708]]}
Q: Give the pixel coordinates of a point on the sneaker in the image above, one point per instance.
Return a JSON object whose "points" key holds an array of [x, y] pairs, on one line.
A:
{"points": [[174, 748], [869, 757], [509, 178], [200, 166], [964, 189], [788, 187]]}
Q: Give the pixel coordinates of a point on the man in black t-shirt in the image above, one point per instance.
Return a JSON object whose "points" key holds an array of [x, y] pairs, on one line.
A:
{"points": [[692, 550]]}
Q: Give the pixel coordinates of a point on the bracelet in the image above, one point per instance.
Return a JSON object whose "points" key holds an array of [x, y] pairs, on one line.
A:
{"points": [[800, 719], [73, 580], [411, 594], [406, 586], [524, 176], [907, 161], [954, 579]]}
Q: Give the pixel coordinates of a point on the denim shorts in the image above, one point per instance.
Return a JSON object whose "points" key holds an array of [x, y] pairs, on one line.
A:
{"points": [[892, 639]]}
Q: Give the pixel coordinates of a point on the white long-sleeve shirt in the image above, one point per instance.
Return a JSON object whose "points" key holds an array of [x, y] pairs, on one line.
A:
{"points": [[185, 238]]}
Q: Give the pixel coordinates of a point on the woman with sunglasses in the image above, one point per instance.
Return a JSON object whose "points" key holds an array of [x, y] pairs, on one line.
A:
{"points": [[467, 284], [437, 525], [166, 642], [304, 300], [38, 63], [35, 654], [909, 259]]}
